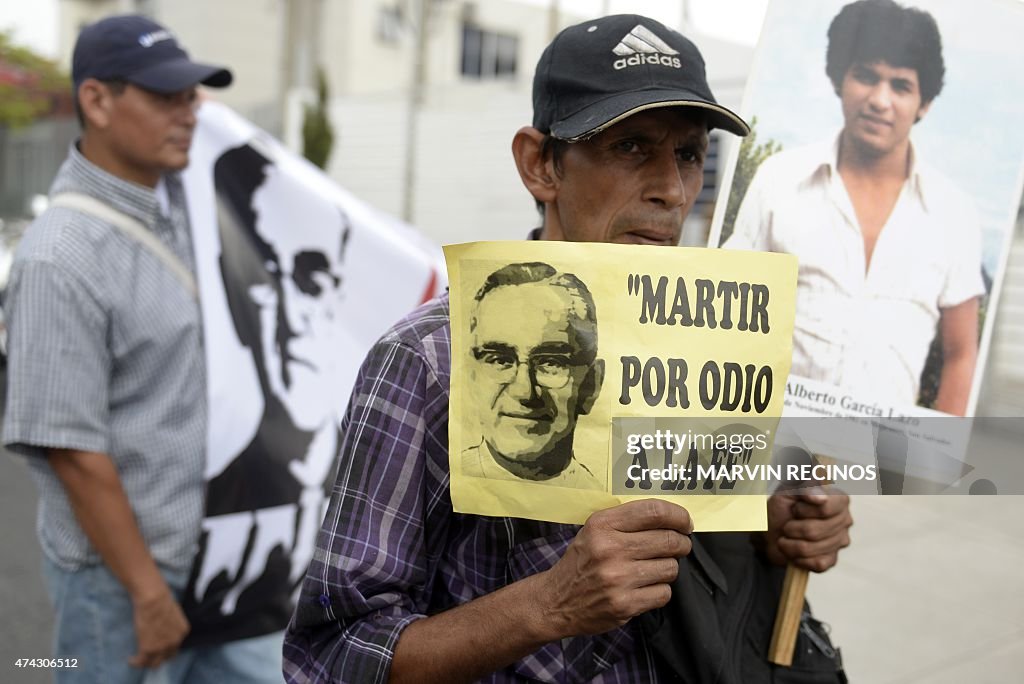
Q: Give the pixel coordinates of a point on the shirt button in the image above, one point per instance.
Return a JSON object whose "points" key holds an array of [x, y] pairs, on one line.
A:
{"points": [[325, 600]]}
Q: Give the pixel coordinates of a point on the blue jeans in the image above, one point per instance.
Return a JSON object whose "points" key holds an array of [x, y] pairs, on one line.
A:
{"points": [[94, 625], [247, 661]]}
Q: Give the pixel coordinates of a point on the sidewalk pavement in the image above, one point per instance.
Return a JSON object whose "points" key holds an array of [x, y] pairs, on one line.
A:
{"points": [[27, 624], [931, 591]]}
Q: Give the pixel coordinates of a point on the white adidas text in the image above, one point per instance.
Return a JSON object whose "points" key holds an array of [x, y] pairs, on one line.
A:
{"points": [[638, 59]]}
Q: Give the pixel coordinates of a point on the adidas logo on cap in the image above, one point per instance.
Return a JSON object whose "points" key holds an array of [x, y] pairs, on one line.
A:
{"points": [[150, 39], [642, 46]]}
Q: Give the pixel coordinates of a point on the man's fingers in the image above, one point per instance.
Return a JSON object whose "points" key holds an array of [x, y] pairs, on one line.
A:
{"points": [[651, 572], [650, 597], [152, 659], [802, 549], [816, 563], [645, 514], [816, 529], [657, 544], [806, 548], [821, 506], [143, 660]]}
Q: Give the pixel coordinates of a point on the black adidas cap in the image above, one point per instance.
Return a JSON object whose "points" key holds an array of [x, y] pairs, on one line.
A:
{"points": [[140, 51], [597, 73]]}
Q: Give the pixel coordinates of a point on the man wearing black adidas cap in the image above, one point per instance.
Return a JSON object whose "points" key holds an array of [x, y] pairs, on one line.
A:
{"points": [[403, 589], [106, 397]]}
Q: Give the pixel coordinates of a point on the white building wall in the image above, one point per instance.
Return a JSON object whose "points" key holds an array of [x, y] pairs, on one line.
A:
{"points": [[369, 147], [243, 35], [359, 62], [72, 15], [356, 60], [465, 187], [467, 184]]}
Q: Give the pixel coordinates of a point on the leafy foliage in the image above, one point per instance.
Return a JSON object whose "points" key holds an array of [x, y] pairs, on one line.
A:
{"points": [[750, 157], [30, 86], [317, 132]]}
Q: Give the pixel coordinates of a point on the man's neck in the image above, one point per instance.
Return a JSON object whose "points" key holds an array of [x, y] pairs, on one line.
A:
{"points": [[102, 156], [546, 232], [857, 160], [873, 183]]}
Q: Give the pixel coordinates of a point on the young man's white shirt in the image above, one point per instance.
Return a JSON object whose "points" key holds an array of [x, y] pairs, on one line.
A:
{"points": [[865, 329]]}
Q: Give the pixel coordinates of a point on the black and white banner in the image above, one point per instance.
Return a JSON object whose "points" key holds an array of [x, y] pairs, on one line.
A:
{"points": [[297, 279]]}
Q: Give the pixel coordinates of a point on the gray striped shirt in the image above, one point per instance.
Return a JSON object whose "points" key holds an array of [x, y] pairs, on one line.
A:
{"points": [[106, 355]]}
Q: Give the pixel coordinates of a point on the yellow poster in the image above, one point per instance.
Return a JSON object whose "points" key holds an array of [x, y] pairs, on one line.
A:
{"points": [[585, 375]]}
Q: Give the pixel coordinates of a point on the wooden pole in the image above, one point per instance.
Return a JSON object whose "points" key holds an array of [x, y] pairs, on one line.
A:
{"points": [[787, 619], [791, 606]]}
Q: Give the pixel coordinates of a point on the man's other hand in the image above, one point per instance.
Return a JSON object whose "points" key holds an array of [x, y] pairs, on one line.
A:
{"points": [[619, 565], [160, 627], [808, 529]]}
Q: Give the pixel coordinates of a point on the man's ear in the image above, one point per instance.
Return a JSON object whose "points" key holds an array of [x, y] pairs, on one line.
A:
{"points": [[94, 100], [590, 388], [537, 173]]}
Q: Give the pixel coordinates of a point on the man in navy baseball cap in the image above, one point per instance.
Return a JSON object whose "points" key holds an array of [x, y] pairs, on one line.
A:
{"points": [[116, 434], [137, 50], [136, 98]]}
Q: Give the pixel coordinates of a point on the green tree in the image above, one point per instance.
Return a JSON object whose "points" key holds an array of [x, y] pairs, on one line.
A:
{"points": [[30, 85], [750, 157], [317, 132]]}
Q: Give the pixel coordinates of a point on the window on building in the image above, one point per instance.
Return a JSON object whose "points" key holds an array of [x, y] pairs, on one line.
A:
{"points": [[488, 54], [389, 24]]}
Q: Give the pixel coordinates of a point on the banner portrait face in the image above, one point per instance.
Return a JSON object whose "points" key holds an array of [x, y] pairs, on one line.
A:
{"points": [[297, 280], [535, 374], [299, 314], [284, 287]]}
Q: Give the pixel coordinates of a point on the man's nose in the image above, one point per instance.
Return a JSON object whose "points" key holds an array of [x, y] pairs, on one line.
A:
{"points": [[185, 105], [881, 96], [297, 308], [522, 385], [664, 181]]}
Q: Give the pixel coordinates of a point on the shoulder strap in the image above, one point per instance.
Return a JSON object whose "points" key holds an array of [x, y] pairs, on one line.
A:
{"points": [[134, 229]]}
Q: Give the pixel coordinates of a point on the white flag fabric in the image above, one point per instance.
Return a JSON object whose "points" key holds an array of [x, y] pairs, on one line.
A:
{"points": [[297, 280]]}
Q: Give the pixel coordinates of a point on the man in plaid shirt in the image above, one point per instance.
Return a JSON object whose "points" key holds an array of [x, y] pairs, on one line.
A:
{"points": [[403, 589]]}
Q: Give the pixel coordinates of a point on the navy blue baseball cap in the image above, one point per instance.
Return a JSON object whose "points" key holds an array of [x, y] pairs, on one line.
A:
{"points": [[138, 50], [597, 73]]}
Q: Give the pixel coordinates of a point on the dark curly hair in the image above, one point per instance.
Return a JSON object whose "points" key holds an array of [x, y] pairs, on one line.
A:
{"points": [[869, 31]]}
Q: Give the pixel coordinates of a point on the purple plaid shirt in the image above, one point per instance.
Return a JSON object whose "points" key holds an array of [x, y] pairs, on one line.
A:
{"points": [[391, 550]]}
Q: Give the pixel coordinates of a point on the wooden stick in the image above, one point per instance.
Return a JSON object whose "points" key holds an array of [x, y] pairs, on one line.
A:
{"points": [[791, 605], [787, 620]]}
